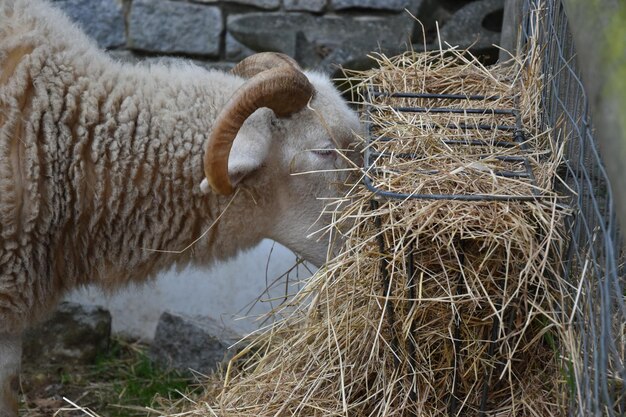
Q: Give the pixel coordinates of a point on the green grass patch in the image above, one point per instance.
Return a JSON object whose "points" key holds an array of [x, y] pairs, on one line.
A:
{"points": [[121, 383]]}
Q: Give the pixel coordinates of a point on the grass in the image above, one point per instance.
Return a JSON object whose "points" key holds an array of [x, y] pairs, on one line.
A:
{"points": [[123, 382]]}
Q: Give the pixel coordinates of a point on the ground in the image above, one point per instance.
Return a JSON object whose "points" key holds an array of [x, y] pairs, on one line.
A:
{"points": [[121, 383]]}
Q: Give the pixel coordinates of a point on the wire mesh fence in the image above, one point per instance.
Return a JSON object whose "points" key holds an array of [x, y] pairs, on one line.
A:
{"points": [[593, 257]]}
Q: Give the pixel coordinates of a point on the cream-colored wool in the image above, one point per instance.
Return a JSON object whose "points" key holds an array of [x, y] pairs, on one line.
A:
{"points": [[101, 165]]}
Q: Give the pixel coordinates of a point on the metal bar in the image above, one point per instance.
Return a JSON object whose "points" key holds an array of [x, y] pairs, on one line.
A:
{"points": [[469, 142], [488, 373], [497, 173], [435, 96], [519, 137], [477, 142], [461, 126], [453, 110], [503, 158]]}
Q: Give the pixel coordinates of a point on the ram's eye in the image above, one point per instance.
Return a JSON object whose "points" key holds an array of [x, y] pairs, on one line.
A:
{"points": [[324, 152]]}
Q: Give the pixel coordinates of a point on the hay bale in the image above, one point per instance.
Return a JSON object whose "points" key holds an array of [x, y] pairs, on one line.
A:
{"points": [[434, 307]]}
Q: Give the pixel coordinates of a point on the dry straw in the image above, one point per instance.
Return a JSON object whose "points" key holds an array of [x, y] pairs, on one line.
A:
{"points": [[433, 308]]}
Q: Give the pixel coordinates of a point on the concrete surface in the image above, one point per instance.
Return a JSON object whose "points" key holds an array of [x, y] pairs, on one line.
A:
{"points": [[225, 293]]}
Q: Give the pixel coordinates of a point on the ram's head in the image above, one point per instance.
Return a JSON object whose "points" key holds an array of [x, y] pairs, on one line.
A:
{"points": [[288, 135]]}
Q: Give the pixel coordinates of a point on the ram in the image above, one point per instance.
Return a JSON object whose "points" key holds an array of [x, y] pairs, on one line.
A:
{"points": [[108, 170]]}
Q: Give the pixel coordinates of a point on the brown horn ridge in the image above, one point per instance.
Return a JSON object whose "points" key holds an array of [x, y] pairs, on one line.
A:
{"points": [[263, 61], [276, 82]]}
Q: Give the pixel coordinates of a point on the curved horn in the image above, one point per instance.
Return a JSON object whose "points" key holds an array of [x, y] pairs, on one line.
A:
{"points": [[283, 89], [254, 64]]}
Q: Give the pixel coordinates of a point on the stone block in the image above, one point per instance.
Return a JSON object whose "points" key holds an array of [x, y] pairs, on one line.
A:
{"points": [[310, 38], [261, 4], [216, 65], [235, 50], [386, 5], [124, 55], [102, 20], [314, 6], [274, 32], [175, 27], [470, 26], [351, 56], [75, 334], [187, 343]]}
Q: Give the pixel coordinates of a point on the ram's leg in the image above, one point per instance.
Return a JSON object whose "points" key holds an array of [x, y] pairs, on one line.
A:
{"points": [[10, 358]]}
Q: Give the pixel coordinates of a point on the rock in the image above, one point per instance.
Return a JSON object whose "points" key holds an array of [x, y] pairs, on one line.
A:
{"points": [[310, 38], [235, 50], [74, 334], [188, 343], [315, 6], [175, 27], [124, 55], [321, 51], [351, 57], [392, 5], [274, 32], [261, 4], [103, 20], [471, 26]]}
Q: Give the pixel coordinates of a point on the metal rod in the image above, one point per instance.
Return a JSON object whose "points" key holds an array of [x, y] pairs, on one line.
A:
{"points": [[497, 173], [503, 158], [452, 110], [488, 372], [472, 142], [463, 126], [435, 96]]}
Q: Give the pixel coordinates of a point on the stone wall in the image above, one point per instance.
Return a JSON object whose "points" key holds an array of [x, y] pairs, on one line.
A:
{"points": [[320, 34]]}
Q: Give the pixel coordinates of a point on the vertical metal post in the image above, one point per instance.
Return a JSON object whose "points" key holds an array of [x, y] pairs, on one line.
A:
{"points": [[510, 24]]}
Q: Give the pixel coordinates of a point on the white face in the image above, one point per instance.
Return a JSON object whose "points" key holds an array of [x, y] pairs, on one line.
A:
{"points": [[300, 163], [317, 153]]}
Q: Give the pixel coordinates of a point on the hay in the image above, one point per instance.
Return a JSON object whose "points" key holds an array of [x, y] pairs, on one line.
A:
{"points": [[434, 307]]}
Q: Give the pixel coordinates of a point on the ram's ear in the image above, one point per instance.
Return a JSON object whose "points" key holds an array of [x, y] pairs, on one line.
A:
{"points": [[251, 146]]}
